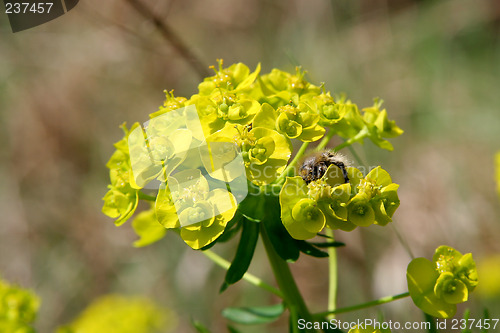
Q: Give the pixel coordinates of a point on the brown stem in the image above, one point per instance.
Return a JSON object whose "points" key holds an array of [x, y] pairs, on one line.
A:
{"points": [[171, 37]]}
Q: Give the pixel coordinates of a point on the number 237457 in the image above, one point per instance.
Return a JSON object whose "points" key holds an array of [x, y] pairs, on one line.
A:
{"points": [[25, 7]]}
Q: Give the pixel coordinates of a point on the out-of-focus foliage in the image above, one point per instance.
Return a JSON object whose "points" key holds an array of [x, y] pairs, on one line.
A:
{"points": [[368, 329], [18, 308], [488, 269], [497, 171], [122, 314]]}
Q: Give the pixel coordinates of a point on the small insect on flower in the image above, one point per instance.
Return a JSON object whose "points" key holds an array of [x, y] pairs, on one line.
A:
{"points": [[315, 165]]}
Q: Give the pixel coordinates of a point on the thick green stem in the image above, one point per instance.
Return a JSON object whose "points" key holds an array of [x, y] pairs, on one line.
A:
{"points": [[291, 295], [332, 276], [295, 160], [432, 323], [247, 277], [379, 301]]}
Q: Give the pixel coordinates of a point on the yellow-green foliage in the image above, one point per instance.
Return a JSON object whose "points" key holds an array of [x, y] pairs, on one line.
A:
{"points": [[122, 314], [18, 308]]}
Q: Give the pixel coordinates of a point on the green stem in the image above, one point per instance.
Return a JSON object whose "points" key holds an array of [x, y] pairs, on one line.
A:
{"points": [[325, 140], [342, 145], [247, 277], [291, 295], [403, 241], [332, 276], [356, 156], [297, 157], [144, 196], [432, 322], [379, 301]]}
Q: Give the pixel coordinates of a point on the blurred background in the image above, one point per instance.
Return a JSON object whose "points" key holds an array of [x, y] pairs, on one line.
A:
{"points": [[66, 86]]}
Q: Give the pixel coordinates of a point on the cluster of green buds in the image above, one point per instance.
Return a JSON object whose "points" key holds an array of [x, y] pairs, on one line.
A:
{"points": [[193, 158], [18, 308], [329, 202], [437, 287]]}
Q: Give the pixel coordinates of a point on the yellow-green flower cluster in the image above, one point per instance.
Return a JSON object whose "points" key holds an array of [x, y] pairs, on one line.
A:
{"points": [[123, 314], [18, 308], [437, 287], [201, 214], [329, 202], [121, 200], [353, 126], [260, 114]]}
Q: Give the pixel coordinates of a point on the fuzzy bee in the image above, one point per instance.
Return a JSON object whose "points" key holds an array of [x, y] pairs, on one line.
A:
{"points": [[315, 165]]}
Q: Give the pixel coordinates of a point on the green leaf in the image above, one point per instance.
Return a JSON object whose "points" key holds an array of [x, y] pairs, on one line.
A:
{"points": [[244, 253], [232, 228], [283, 243], [310, 250], [327, 244], [231, 329], [254, 315], [252, 207], [200, 328]]}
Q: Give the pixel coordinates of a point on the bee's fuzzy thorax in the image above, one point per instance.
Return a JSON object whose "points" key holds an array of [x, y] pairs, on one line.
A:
{"points": [[315, 164]]}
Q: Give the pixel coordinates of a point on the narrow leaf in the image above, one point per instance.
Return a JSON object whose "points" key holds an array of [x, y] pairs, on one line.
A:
{"points": [[200, 328], [310, 250], [254, 315], [232, 228], [231, 329], [252, 207], [244, 253], [327, 244]]}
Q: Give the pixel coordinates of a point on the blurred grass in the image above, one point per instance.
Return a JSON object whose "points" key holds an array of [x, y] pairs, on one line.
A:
{"points": [[66, 86]]}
